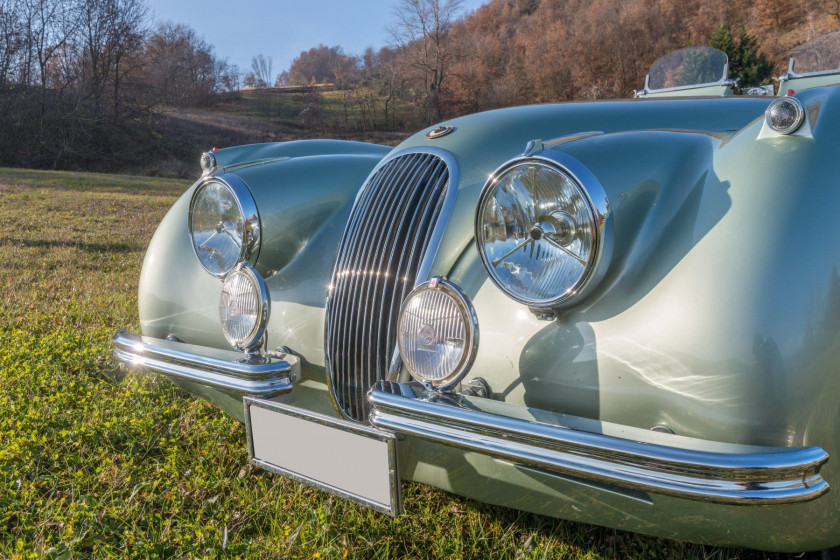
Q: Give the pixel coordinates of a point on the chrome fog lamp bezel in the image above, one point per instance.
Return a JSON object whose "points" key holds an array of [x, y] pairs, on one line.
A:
{"points": [[592, 192], [251, 238], [464, 305], [253, 341], [800, 115]]}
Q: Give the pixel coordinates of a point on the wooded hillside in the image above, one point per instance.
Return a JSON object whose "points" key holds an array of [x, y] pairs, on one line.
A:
{"points": [[513, 52], [94, 84]]}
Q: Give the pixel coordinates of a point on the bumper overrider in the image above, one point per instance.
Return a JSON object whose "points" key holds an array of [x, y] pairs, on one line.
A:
{"points": [[636, 460]]}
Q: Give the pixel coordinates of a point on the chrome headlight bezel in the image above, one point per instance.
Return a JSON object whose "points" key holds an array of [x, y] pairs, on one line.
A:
{"points": [[591, 191], [470, 320], [250, 234], [254, 338]]}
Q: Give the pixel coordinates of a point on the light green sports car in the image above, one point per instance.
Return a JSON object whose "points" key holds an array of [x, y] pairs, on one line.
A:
{"points": [[622, 312]]}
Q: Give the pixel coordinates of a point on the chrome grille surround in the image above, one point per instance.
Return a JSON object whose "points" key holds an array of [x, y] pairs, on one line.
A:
{"points": [[387, 249]]}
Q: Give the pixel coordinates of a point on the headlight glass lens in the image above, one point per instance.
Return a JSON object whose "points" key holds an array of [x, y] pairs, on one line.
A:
{"points": [[437, 334], [217, 227], [243, 307], [536, 233]]}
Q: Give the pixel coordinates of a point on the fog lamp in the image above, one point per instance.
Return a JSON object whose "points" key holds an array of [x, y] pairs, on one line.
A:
{"points": [[243, 308], [437, 333]]}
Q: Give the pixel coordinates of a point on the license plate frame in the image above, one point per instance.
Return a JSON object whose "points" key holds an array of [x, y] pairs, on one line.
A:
{"points": [[280, 430]]}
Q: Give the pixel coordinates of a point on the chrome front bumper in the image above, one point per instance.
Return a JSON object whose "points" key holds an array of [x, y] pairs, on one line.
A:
{"points": [[600, 453], [219, 369], [612, 457]]}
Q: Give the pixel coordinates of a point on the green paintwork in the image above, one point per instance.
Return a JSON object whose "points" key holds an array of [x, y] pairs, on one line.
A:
{"points": [[719, 315]]}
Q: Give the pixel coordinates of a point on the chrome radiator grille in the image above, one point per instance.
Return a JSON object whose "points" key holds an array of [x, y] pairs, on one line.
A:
{"points": [[387, 235]]}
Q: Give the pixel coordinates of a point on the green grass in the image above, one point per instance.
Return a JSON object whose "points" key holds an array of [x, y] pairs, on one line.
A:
{"points": [[94, 469]]}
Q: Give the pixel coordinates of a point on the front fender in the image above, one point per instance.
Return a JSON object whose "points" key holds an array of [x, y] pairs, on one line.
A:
{"points": [[303, 203]]}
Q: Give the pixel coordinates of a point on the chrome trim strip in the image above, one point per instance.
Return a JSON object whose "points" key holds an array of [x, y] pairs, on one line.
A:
{"points": [[223, 369], [243, 164], [390, 438], [742, 475]]}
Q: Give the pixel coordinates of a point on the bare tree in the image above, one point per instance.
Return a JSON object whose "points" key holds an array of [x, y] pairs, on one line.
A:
{"points": [[263, 69], [111, 30], [182, 68], [421, 32], [11, 40], [49, 24]]}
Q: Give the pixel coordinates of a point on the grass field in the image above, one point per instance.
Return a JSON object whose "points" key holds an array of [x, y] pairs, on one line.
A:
{"points": [[94, 469], [339, 109]]}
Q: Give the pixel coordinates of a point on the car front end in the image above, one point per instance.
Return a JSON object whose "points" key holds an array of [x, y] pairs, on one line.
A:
{"points": [[625, 313]]}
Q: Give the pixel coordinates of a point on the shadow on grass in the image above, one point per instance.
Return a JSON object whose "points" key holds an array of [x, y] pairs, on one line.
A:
{"points": [[89, 247]]}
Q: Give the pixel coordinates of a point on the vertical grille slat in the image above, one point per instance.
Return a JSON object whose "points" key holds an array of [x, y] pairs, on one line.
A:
{"points": [[413, 258], [392, 227], [385, 240], [379, 201], [345, 282], [386, 203]]}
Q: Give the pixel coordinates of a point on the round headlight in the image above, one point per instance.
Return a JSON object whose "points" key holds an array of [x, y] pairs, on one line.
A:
{"points": [[224, 224], [437, 333], [243, 307], [536, 232], [785, 115]]}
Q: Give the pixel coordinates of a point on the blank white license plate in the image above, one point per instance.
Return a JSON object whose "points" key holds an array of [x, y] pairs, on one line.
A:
{"points": [[350, 460]]}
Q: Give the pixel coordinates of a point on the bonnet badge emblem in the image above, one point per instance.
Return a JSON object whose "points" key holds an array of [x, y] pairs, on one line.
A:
{"points": [[440, 131]]}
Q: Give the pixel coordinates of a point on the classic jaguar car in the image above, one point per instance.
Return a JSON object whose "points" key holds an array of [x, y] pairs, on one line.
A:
{"points": [[620, 312]]}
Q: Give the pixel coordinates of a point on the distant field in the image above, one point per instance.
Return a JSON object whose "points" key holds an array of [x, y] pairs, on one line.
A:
{"points": [[339, 110], [94, 469], [259, 115]]}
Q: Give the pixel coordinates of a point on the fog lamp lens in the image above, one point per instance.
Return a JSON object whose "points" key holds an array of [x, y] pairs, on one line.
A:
{"points": [[437, 333], [785, 115], [243, 307]]}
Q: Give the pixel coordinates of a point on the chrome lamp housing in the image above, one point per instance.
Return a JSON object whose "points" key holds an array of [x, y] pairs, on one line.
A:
{"points": [[244, 308], [437, 334]]}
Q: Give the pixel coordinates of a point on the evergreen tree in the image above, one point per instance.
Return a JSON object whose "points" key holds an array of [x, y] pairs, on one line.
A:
{"points": [[746, 63]]}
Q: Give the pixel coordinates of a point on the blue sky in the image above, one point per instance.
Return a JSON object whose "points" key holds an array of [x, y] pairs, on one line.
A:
{"points": [[282, 28]]}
